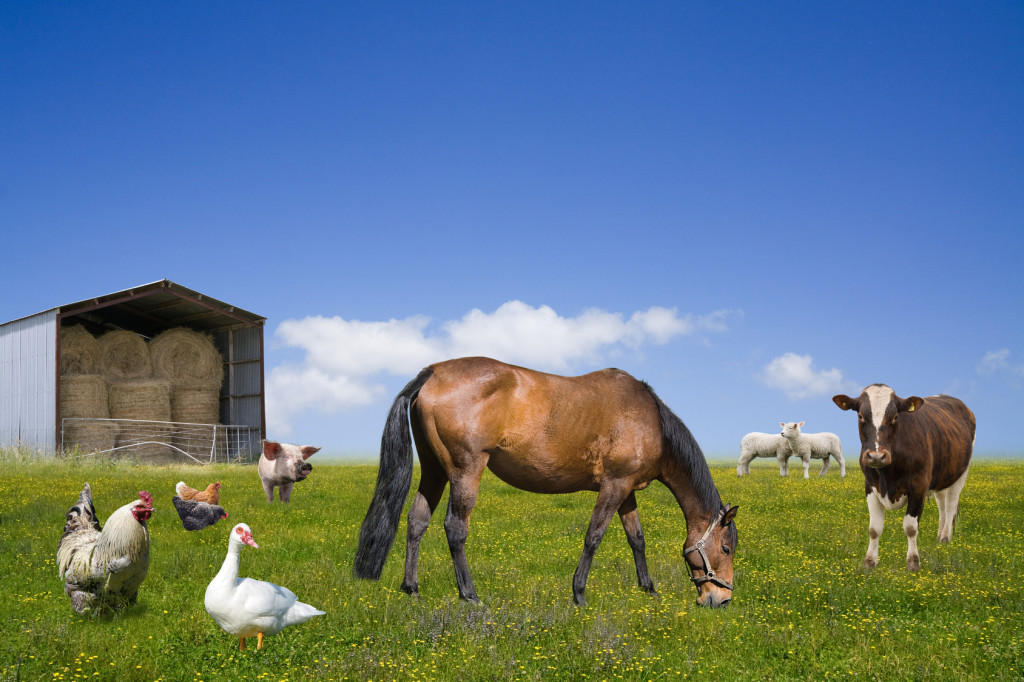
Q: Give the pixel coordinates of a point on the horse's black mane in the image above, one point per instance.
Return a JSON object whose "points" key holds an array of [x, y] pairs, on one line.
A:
{"points": [[684, 448]]}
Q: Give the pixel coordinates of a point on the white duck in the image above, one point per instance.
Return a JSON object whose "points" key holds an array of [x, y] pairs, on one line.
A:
{"points": [[251, 608]]}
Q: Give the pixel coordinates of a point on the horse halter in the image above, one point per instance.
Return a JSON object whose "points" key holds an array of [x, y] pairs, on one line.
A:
{"points": [[709, 575]]}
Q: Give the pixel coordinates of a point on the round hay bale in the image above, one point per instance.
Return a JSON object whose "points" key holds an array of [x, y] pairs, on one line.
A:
{"points": [[79, 351], [191, 408], [90, 436], [145, 399], [148, 402], [83, 396], [186, 358], [194, 405], [124, 355]]}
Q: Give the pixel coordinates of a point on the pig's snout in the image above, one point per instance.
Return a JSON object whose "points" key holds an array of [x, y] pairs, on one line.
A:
{"points": [[304, 470]]}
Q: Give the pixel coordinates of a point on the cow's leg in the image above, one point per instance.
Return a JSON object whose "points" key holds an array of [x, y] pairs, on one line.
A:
{"points": [[432, 483], [465, 484], [876, 510], [911, 524], [910, 527], [948, 501], [635, 537], [609, 498], [284, 491]]}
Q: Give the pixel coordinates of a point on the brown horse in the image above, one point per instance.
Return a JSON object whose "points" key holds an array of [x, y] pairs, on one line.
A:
{"points": [[603, 431]]}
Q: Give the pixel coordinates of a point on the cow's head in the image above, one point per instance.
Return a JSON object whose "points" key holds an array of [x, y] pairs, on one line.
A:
{"points": [[878, 410]]}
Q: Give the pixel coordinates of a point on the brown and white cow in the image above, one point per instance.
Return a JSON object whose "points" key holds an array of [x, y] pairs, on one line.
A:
{"points": [[911, 448]]}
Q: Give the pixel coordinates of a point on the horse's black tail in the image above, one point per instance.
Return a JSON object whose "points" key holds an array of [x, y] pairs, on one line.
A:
{"points": [[393, 480]]}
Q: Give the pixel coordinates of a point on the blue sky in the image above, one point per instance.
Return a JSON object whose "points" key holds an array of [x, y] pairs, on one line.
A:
{"points": [[750, 207]]}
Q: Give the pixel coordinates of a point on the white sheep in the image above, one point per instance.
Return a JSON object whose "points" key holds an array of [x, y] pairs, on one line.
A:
{"points": [[758, 444], [809, 446]]}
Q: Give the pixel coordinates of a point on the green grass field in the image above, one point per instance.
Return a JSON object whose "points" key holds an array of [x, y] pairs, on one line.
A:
{"points": [[803, 606]]}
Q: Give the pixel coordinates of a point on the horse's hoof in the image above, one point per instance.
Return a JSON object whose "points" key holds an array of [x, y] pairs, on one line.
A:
{"points": [[411, 590], [914, 563], [870, 563]]}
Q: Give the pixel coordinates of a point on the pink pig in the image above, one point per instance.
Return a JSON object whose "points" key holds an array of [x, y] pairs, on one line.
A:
{"points": [[282, 464]]}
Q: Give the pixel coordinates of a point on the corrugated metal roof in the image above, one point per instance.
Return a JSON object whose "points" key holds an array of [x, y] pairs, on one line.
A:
{"points": [[151, 308]]}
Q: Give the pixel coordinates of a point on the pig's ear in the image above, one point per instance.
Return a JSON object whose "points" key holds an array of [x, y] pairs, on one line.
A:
{"points": [[308, 451], [271, 449]]}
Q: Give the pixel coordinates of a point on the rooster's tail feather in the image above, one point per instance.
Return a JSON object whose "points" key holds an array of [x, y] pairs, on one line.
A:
{"points": [[82, 515]]}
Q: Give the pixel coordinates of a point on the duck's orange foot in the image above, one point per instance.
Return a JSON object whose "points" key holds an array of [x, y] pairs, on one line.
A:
{"points": [[241, 643], [259, 640]]}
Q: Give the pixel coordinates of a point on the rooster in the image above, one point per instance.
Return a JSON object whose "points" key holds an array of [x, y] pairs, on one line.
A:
{"points": [[211, 495], [103, 567]]}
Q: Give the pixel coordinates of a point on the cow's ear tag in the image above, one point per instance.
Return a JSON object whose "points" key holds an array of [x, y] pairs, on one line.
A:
{"points": [[911, 408]]}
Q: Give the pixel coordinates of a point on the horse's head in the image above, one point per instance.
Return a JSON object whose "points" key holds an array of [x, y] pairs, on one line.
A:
{"points": [[709, 557]]}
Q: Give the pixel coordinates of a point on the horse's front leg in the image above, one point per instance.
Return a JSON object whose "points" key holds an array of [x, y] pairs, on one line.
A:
{"points": [[461, 500], [635, 537], [609, 499]]}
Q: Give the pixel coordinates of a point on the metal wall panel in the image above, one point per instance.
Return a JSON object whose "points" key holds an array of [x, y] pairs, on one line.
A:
{"points": [[242, 393], [28, 381]]}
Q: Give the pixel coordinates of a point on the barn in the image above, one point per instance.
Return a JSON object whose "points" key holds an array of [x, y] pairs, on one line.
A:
{"points": [[158, 372]]}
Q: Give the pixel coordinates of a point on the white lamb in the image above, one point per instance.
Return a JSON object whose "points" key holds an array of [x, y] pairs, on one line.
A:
{"points": [[809, 446], [764, 445]]}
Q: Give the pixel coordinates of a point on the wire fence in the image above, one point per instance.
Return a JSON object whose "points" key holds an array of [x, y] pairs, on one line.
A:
{"points": [[160, 442]]}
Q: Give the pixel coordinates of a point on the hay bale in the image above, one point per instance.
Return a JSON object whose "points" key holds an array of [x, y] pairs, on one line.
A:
{"points": [[192, 407], [186, 358], [79, 351], [148, 402], [83, 396], [195, 405], [124, 355], [145, 399], [90, 436]]}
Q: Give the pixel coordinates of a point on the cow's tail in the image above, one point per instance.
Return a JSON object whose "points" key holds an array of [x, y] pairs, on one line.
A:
{"points": [[394, 477]]}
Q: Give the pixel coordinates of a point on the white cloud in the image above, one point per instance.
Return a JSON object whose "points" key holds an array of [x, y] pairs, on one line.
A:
{"points": [[796, 376], [342, 357], [998, 361], [993, 361]]}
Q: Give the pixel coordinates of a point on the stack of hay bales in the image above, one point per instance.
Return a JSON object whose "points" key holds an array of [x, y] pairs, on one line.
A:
{"points": [[176, 377], [193, 366], [83, 393], [135, 395]]}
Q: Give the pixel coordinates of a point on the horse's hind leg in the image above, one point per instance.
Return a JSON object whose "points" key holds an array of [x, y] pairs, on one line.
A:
{"points": [[609, 499], [432, 483], [635, 537], [461, 499]]}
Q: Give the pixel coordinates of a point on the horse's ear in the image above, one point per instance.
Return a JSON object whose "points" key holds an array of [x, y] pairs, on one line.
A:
{"points": [[730, 514]]}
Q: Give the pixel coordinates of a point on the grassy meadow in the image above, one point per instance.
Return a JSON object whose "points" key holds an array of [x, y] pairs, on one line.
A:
{"points": [[803, 607]]}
